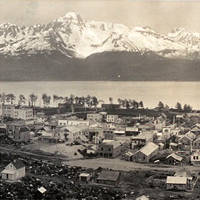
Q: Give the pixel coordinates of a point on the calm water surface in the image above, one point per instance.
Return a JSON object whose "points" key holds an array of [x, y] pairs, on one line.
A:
{"points": [[149, 92]]}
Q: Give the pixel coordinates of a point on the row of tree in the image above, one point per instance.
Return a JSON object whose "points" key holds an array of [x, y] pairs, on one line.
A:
{"points": [[31, 100], [178, 107]]}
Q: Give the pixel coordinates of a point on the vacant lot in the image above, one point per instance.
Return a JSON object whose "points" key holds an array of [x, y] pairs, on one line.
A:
{"points": [[70, 152]]}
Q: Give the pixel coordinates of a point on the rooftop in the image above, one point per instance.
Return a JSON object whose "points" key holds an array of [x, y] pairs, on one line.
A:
{"points": [[176, 157], [176, 180], [149, 148], [109, 175]]}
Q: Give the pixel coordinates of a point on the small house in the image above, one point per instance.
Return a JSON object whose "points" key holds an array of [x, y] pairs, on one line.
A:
{"points": [[195, 158], [176, 183], [108, 177], [196, 143], [185, 142], [132, 131], [13, 171], [84, 177], [174, 159], [182, 180]]}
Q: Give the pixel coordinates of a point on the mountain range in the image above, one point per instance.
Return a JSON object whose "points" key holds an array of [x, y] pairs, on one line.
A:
{"points": [[71, 48]]}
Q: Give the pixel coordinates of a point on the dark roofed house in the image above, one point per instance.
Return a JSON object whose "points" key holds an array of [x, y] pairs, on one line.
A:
{"points": [[13, 171], [108, 177], [174, 159]]}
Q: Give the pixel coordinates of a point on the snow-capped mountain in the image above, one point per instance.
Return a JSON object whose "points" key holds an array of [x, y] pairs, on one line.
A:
{"points": [[73, 36]]}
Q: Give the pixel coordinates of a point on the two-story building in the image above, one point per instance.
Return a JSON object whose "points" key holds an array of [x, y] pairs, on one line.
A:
{"points": [[109, 148], [112, 118]]}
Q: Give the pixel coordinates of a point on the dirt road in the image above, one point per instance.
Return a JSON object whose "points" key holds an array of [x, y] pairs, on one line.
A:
{"points": [[117, 164]]}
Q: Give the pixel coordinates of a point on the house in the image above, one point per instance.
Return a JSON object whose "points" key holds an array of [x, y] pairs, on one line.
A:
{"points": [[196, 130], [195, 158], [21, 134], [159, 123], [128, 156], [185, 141], [94, 117], [146, 153], [8, 110], [108, 177], [84, 177], [174, 159], [196, 144], [13, 171], [177, 183], [182, 180], [130, 131], [95, 135], [137, 142], [109, 148], [108, 134], [112, 118]]}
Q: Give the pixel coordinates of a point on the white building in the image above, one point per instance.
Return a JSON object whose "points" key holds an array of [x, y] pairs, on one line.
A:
{"points": [[112, 118]]}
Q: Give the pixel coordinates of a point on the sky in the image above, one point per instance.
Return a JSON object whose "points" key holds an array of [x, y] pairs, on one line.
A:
{"points": [[162, 16]]}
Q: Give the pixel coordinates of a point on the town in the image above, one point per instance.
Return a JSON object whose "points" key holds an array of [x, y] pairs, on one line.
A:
{"points": [[83, 148]]}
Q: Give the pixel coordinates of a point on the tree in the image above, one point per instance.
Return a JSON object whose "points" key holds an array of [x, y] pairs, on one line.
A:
{"points": [[44, 99], [94, 101], [160, 105], [22, 99], [3, 97], [10, 98], [178, 106], [141, 104], [187, 108], [33, 99], [111, 100]]}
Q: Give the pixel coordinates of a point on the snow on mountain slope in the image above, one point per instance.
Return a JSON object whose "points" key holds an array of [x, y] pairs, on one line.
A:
{"points": [[75, 37]]}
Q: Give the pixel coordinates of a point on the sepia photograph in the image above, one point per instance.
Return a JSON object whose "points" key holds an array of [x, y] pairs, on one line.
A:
{"points": [[99, 99]]}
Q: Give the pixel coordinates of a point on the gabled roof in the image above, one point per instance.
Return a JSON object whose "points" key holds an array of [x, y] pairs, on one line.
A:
{"points": [[176, 157], [18, 164], [195, 129], [149, 148], [190, 135]]}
